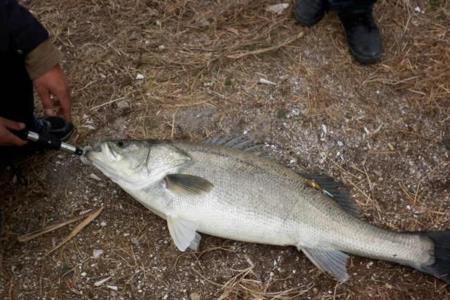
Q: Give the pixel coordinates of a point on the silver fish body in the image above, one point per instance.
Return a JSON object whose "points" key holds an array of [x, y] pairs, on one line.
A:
{"points": [[234, 194]]}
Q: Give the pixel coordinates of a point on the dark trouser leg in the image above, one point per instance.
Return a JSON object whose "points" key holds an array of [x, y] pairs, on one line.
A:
{"points": [[309, 12], [351, 6], [16, 100], [16, 90]]}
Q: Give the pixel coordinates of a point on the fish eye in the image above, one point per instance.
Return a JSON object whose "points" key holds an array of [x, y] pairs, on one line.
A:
{"points": [[120, 144]]}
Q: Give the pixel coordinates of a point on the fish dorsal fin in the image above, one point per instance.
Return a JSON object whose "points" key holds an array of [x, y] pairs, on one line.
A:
{"points": [[243, 143], [183, 233], [333, 262], [334, 190], [187, 184]]}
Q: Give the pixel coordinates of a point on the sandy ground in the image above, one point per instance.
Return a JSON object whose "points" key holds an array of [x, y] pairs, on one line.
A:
{"points": [[172, 69]]}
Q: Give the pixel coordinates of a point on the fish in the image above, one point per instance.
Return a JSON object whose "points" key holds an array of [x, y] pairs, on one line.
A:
{"points": [[228, 189]]}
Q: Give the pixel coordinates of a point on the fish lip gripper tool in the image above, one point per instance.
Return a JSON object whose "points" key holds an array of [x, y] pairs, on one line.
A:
{"points": [[51, 142]]}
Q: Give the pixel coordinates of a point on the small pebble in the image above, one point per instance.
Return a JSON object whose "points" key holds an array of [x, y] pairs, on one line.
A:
{"points": [[102, 281], [95, 177], [277, 8], [265, 81], [195, 296], [97, 253]]}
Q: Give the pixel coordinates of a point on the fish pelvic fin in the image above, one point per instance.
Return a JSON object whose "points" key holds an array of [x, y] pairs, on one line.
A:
{"points": [[187, 184], [333, 262], [183, 233], [334, 190], [440, 267]]}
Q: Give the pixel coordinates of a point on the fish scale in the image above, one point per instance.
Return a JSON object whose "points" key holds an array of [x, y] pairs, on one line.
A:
{"points": [[235, 194]]}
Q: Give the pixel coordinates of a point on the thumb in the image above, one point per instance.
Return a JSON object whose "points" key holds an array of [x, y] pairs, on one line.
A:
{"points": [[12, 139], [13, 125]]}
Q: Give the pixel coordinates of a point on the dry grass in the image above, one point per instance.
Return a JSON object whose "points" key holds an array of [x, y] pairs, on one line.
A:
{"points": [[419, 67], [244, 284]]}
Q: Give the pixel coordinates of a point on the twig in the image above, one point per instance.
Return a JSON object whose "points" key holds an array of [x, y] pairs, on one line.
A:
{"points": [[77, 229], [206, 279], [73, 268], [107, 103], [188, 104], [374, 203], [264, 50], [11, 286], [32, 235], [102, 281], [173, 124]]}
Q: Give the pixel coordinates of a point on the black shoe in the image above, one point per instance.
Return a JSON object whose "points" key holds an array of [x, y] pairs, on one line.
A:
{"points": [[309, 12], [363, 36], [53, 126]]}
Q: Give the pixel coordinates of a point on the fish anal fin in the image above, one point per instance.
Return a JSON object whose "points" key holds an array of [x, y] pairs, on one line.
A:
{"points": [[187, 184], [331, 261], [183, 233], [334, 190]]}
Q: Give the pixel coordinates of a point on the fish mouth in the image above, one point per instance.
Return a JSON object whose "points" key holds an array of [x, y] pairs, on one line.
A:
{"points": [[91, 157], [116, 177], [86, 158]]}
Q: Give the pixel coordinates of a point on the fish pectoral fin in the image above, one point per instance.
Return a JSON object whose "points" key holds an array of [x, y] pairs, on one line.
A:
{"points": [[333, 262], [184, 233], [187, 184]]}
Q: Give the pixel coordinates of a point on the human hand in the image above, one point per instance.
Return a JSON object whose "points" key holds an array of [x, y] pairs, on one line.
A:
{"points": [[7, 138], [24, 2], [53, 84]]}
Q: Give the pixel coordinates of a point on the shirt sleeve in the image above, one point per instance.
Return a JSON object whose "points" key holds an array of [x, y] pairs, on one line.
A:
{"points": [[41, 59], [24, 31]]}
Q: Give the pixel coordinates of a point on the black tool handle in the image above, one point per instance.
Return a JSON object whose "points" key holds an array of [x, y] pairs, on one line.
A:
{"points": [[48, 141], [44, 139]]}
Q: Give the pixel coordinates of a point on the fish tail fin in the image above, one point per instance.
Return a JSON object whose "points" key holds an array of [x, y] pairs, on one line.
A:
{"points": [[441, 264]]}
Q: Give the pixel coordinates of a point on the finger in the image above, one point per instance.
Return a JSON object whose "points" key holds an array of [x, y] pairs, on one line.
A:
{"points": [[11, 139], [64, 101], [63, 95], [13, 125], [46, 101]]}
